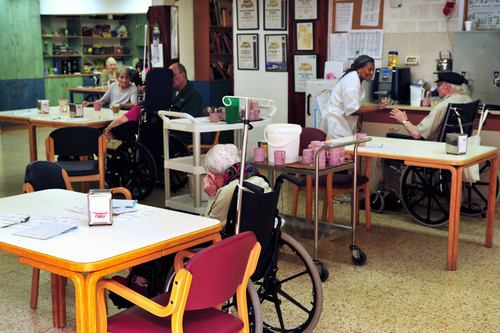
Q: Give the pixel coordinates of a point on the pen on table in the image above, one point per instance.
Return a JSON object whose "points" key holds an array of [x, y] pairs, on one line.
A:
{"points": [[22, 221]]}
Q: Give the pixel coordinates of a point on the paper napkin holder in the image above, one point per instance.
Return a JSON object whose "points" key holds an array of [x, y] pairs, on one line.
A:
{"points": [[456, 143], [100, 207]]}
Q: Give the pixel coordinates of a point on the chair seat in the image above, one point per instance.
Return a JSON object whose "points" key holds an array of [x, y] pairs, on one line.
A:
{"points": [[209, 320], [80, 168]]}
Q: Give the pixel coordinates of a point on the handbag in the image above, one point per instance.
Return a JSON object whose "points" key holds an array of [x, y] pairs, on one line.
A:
{"points": [[471, 174]]}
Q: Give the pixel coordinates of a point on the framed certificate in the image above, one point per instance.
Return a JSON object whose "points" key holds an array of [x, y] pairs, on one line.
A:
{"points": [[305, 36], [248, 14], [276, 53], [305, 9], [304, 68], [275, 14], [248, 51]]}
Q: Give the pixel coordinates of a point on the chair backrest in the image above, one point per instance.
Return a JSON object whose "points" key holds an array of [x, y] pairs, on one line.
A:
{"points": [[467, 112], [76, 141], [159, 89], [218, 270], [309, 134], [44, 175]]}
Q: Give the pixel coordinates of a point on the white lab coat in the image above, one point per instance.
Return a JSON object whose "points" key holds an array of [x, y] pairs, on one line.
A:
{"points": [[337, 120]]}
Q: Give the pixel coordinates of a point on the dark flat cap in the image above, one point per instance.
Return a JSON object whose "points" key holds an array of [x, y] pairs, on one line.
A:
{"points": [[451, 77]]}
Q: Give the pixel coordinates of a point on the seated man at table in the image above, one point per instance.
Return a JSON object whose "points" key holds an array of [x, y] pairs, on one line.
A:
{"points": [[222, 165], [451, 87], [186, 98]]}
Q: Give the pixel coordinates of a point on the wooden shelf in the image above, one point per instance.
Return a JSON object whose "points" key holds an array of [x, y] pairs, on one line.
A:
{"points": [[52, 36], [62, 56], [90, 37], [106, 55]]}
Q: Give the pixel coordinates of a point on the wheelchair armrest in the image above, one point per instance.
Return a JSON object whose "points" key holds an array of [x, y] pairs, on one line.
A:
{"points": [[294, 180], [254, 188], [399, 136]]}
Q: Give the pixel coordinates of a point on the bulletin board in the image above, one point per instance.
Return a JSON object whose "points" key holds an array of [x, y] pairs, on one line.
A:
{"points": [[356, 17]]}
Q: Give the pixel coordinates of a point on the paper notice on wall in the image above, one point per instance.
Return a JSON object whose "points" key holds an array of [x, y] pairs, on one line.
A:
{"points": [[367, 42], [343, 16], [338, 47], [369, 13]]}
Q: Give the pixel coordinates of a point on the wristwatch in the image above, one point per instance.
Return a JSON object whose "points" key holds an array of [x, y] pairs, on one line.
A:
{"points": [[404, 121]]}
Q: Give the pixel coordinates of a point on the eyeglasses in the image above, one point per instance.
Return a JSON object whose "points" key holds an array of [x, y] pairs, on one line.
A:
{"points": [[441, 83]]}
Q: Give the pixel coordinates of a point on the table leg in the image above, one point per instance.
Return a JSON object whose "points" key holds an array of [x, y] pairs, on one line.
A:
{"points": [[32, 142], [58, 300], [490, 215], [454, 219], [79, 282]]}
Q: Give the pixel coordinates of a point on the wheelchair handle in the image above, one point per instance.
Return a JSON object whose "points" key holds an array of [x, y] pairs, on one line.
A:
{"points": [[254, 188]]}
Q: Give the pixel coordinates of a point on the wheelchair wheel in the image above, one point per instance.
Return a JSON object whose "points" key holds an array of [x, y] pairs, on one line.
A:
{"points": [[291, 296], [133, 167], [377, 201], [424, 195], [475, 195]]}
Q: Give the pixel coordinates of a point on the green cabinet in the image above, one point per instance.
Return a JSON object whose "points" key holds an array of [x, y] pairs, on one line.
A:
{"points": [[55, 88]]}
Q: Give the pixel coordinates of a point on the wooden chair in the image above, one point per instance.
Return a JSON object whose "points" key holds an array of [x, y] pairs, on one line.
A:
{"points": [[81, 142], [43, 175], [330, 185], [210, 277]]}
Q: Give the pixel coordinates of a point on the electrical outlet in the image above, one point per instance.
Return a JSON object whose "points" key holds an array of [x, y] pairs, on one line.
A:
{"points": [[411, 60]]}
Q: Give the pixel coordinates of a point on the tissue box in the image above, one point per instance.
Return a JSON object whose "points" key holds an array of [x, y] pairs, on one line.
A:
{"points": [[100, 207], [456, 143]]}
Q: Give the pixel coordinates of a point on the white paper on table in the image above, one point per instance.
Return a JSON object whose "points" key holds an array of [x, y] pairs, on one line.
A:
{"points": [[338, 47], [120, 203], [343, 16], [46, 230], [369, 13]]}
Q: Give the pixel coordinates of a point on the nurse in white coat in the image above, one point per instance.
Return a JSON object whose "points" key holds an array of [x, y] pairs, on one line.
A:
{"points": [[340, 118]]}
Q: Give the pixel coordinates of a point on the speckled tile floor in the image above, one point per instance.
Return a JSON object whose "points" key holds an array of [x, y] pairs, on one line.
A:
{"points": [[403, 287]]}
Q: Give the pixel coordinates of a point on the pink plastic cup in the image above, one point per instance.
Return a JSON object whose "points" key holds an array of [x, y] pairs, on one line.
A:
{"points": [[307, 156], [214, 117], [259, 154], [97, 106], [279, 157], [358, 136]]}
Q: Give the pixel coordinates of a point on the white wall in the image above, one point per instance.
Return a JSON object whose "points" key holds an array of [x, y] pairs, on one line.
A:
{"points": [[259, 83], [68, 7]]}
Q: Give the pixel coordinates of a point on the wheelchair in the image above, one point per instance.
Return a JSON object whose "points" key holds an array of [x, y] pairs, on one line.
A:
{"points": [[137, 164], [425, 192]]}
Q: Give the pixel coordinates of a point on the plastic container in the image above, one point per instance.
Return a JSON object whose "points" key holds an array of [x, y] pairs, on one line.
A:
{"points": [[283, 137], [393, 59]]}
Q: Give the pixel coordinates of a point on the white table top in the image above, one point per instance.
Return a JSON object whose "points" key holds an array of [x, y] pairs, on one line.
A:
{"points": [[433, 152], [96, 243], [89, 114]]}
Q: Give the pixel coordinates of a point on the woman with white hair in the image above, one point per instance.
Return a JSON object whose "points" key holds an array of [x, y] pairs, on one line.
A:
{"points": [[222, 164], [108, 73]]}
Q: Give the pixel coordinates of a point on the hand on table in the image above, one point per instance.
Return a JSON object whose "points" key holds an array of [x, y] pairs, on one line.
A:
{"points": [[85, 103], [399, 115], [382, 105]]}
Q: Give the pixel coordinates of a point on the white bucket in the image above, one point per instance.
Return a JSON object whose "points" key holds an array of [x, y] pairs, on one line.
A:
{"points": [[283, 137]]}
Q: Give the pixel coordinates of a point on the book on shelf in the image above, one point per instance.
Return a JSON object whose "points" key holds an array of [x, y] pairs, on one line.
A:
{"points": [[220, 13], [219, 70]]}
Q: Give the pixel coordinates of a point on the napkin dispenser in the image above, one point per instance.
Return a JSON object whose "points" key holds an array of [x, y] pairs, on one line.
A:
{"points": [[456, 143], [76, 110], [100, 207]]}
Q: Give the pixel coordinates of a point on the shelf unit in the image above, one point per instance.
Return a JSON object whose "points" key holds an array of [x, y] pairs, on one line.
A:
{"points": [[67, 30]]}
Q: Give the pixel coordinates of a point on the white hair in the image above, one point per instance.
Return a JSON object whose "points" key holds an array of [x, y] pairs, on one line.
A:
{"points": [[460, 88], [110, 59], [221, 157]]}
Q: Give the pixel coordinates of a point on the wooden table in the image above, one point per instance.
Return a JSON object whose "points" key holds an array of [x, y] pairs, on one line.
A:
{"points": [[98, 250], [31, 117], [433, 155], [97, 91]]}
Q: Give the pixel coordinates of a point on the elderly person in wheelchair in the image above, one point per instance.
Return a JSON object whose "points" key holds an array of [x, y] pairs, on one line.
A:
{"points": [[223, 166], [451, 87]]}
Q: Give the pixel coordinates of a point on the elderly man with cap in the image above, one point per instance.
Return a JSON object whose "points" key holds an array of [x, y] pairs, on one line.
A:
{"points": [[451, 87]]}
